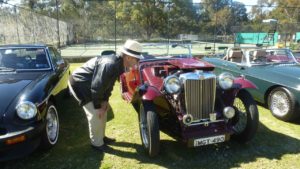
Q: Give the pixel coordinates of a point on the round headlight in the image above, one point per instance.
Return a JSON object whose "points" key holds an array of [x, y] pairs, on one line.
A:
{"points": [[26, 110], [229, 112], [226, 80], [172, 85]]}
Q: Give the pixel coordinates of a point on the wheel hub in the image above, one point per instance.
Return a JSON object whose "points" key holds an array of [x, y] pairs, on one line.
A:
{"points": [[279, 103]]}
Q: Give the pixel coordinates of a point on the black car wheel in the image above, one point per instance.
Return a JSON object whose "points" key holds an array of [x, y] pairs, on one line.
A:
{"points": [[247, 117], [149, 129], [282, 104], [51, 130]]}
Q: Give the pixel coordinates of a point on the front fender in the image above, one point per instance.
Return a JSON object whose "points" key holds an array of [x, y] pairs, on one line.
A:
{"points": [[244, 83], [151, 93]]}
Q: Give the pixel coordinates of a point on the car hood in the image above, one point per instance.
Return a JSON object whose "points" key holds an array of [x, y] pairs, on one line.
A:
{"points": [[191, 63], [282, 74], [11, 85]]}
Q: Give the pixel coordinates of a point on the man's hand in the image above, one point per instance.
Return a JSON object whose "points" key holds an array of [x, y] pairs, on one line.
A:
{"points": [[102, 110]]}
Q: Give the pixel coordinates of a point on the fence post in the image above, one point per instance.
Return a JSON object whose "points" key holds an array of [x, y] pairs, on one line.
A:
{"points": [[57, 23]]}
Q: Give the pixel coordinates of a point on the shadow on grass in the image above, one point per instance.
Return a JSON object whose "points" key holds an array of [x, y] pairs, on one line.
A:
{"points": [[266, 144], [73, 149], [296, 121]]}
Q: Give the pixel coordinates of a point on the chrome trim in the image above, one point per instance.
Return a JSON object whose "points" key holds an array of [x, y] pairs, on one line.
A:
{"points": [[12, 134], [200, 94], [197, 75], [204, 123]]}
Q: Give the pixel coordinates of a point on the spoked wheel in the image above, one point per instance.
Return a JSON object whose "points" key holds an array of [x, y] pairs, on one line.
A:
{"points": [[51, 131], [282, 104], [246, 115], [149, 128]]}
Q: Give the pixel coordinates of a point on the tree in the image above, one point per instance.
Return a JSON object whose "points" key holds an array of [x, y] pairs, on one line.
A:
{"points": [[182, 18], [150, 15]]}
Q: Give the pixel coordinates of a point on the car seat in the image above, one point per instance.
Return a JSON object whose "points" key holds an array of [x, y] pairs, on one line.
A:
{"points": [[9, 60], [260, 55], [108, 52], [41, 61], [235, 56]]}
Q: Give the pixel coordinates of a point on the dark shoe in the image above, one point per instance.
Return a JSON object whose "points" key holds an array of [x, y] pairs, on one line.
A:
{"points": [[102, 148], [108, 140]]}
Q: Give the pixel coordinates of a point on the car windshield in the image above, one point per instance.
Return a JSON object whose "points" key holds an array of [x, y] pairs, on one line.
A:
{"points": [[266, 56], [260, 56], [23, 59], [175, 50], [297, 56]]}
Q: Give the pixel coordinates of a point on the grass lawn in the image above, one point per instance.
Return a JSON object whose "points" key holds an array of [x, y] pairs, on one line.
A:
{"points": [[276, 145]]}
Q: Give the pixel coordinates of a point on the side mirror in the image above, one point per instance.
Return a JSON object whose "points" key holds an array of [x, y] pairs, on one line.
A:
{"points": [[60, 64]]}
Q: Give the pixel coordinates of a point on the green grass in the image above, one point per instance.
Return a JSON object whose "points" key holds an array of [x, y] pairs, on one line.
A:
{"points": [[276, 145]]}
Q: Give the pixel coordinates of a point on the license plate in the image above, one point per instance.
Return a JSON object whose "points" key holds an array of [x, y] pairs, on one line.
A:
{"points": [[209, 140]]}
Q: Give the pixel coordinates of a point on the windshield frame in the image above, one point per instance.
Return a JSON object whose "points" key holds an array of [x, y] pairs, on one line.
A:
{"points": [[166, 48], [34, 47], [246, 56]]}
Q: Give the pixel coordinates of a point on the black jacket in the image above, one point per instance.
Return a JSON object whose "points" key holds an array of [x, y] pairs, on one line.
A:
{"points": [[94, 80]]}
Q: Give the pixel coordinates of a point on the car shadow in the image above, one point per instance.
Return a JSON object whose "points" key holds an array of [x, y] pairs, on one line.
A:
{"points": [[73, 149], [296, 121], [266, 144], [73, 145]]}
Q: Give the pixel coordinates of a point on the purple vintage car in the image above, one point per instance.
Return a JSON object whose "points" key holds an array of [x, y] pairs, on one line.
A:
{"points": [[182, 96]]}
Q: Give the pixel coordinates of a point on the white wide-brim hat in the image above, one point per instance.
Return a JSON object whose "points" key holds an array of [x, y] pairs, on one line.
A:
{"points": [[132, 48]]}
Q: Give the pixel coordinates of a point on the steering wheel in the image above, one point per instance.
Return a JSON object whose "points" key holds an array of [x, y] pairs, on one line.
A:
{"points": [[28, 59], [258, 60]]}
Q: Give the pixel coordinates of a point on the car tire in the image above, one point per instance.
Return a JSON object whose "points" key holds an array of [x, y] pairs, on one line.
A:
{"points": [[247, 117], [282, 104], [149, 128], [51, 130]]}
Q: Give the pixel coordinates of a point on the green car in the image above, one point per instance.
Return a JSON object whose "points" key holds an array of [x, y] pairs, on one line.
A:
{"points": [[276, 73]]}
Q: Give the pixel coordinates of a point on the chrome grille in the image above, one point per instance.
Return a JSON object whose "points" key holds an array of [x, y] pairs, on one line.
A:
{"points": [[200, 97]]}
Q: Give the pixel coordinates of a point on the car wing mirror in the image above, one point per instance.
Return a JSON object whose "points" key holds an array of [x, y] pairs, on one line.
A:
{"points": [[60, 65], [241, 66]]}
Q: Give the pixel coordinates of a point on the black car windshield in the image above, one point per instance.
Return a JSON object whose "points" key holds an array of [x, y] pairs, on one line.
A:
{"points": [[175, 50], [23, 59]]}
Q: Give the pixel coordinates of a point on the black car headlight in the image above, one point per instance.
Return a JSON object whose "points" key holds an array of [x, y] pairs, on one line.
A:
{"points": [[172, 84], [225, 80], [26, 110]]}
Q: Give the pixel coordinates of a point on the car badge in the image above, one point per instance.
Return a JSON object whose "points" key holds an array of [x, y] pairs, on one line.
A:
{"points": [[201, 77], [213, 117]]}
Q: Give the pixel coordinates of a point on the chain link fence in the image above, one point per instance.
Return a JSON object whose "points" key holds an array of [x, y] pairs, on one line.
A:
{"points": [[89, 27]]}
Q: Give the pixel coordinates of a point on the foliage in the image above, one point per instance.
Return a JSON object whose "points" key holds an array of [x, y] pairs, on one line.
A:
{"points": [[148, 19]]}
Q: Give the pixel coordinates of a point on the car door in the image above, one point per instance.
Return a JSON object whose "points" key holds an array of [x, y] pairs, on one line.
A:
{"points": [[61, 71], [227, 66], [251, 73]]}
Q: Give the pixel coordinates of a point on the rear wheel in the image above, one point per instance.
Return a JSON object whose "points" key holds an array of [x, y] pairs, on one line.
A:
{"points": [[246, 115], [149, 129], [282, 104], [51, 130]]}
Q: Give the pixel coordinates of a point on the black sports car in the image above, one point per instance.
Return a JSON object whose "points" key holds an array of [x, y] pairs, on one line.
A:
{"points": [[31, 79]]}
